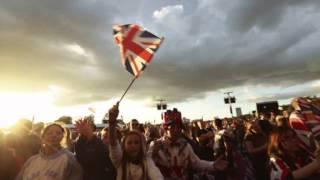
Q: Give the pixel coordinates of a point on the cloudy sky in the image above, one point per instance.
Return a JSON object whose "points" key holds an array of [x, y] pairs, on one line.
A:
{"points": [[59, 57]]}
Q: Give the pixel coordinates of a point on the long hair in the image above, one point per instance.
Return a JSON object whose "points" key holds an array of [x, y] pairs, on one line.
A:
{"points": [[67, 141], [141, 156], [275, 147], [153, 132], [134, 121]]}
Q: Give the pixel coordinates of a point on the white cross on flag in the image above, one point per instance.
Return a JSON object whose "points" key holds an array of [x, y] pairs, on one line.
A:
{"points": [[137, 46]]}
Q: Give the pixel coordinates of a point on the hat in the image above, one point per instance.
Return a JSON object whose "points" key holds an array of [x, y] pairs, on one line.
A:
{"points": [[172, 117]]}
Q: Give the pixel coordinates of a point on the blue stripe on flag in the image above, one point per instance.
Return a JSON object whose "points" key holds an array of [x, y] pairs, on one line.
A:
{"points": [[128, 66]]}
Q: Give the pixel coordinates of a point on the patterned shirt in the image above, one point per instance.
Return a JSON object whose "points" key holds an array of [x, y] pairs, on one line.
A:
{"points": [[174, 159]]}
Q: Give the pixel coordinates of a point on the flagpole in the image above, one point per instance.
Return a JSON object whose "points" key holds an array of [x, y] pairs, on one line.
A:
{"points": [[134, 79], [127, 89]]}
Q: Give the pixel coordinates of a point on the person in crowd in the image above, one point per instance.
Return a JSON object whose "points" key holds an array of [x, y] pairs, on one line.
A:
{"points": [[174, 156], [256, 142], [240, 167], [134, 125], [286, 114], [52, 162], [151, 134], [194, 130], [7, 165], [288, 160], [22, 142], [105, 137], [161, 129], [186, 134], [187, 130], [67, 141], [265, 123], [225, 123], [204, 151], [11, 143], [305, 120], [130, 158], [33, 141], [240, 131], [204, 136], [272, 119], [282, 121], [142, 129], [208, 126], [37, 128], [92, 153], [219, 145]]}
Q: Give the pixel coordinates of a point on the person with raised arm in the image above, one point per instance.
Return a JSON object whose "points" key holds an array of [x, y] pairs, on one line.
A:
{"points": [[130, 157], [92, 153]]}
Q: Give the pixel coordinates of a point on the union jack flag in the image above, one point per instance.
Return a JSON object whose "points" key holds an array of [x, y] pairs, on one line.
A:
{"points": [[305, 120], [137, 46]]}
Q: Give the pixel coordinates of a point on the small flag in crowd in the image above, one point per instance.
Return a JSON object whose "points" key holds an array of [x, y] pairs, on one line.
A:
{"points": [[137, 46], [92, 110]]}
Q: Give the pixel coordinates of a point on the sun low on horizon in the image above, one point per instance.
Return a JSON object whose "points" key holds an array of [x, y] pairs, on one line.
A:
{"points": [[34, 106], [41, 107], [18, 105], [63, 57]]}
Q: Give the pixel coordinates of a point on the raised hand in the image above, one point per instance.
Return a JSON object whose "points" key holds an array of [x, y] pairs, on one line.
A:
{"points": [[113, 113], [84, 127]]}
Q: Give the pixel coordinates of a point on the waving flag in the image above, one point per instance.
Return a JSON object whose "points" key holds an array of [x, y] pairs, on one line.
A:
{"points": [[137, 46], [305, 120]]}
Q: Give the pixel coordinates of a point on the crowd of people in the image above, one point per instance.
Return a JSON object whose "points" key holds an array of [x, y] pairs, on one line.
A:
{"points": [[276, 146]]}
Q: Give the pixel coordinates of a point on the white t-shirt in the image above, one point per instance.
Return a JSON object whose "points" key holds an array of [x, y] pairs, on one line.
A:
{"points": [[59, 166]]}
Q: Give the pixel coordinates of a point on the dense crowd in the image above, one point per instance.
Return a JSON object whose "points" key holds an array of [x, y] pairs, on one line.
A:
{"points": [[276, 146]]}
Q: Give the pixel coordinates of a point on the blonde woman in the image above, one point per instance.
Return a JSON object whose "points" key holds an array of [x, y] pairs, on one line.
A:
{"points": [[130, 157], [52, 162]]}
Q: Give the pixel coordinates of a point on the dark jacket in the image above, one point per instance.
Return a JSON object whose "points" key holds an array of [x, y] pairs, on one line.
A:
{"points": [[93, 156]]}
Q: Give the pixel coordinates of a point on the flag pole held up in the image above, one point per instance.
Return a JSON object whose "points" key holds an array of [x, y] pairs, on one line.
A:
{"points": [[127, 89], [137, 48]]}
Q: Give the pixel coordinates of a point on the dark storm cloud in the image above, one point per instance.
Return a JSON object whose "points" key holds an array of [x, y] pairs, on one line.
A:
{"points": [[246, 14], [301, 92], [206, 47], [31, 54]]}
